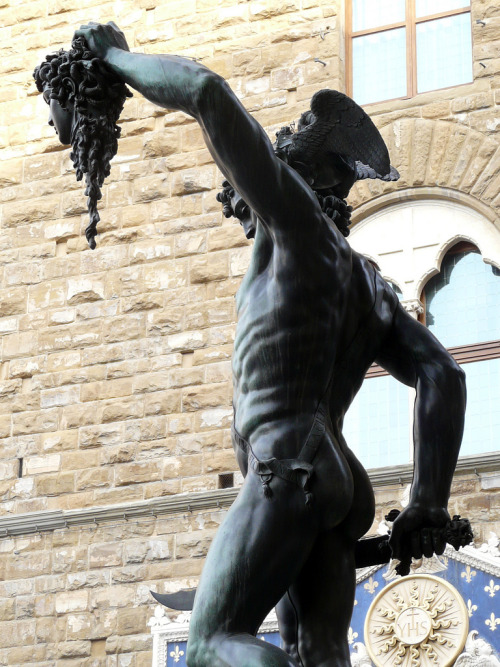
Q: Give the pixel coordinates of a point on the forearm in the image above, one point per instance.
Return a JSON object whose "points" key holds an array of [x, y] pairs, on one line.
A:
{"points": [[172, 82], [437, 432]]}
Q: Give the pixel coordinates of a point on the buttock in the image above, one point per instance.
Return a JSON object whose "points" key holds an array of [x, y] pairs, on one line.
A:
{"points": [[320, 471]]}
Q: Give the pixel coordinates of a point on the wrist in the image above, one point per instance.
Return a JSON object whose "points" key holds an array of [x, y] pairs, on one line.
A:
{"points": [[112, 55]]}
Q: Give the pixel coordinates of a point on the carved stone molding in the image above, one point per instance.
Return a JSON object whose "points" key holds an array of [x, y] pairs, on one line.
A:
{"points": [[477, 653], [413, 306], [37, 522]]}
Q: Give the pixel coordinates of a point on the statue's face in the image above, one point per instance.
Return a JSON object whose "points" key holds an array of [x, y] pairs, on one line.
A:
{"points": [[244, 214], [60, 119]]}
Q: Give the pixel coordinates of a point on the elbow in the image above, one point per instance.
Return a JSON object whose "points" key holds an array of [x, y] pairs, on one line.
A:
{"points": [[449, 377]]}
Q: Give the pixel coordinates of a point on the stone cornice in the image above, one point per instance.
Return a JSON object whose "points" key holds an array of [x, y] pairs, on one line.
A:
{"points": [[25, 524]]}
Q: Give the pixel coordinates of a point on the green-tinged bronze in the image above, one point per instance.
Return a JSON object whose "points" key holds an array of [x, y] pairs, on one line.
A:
{"points": [[313, 315]]}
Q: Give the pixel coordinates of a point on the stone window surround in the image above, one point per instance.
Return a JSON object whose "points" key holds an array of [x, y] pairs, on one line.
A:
{"points": [[410, 24], [463, 218]]}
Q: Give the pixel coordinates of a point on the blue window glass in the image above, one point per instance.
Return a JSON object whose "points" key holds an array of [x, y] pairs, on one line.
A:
{"points": [[462, 308], [370, 14], [462, 301], [379, 66], [400, 48], [377, 425], [452, 36], [482, 417]]}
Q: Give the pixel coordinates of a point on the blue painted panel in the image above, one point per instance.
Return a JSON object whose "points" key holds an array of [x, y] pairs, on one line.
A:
{"points": [[176, 654], [480, 591], [176, 651]]}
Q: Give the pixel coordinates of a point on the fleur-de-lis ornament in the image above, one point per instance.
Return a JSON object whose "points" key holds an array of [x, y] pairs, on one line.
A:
{"points": [[176, 655], [471, 608], [492, 588], [492, 622], [371, 585], [351, 636], [468, 574]]}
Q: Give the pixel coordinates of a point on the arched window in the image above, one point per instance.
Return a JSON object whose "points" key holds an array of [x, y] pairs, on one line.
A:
{"points": [[454, 287], [462, 308]]}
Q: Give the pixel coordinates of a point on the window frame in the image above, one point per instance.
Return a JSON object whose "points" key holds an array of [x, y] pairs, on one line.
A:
{"points": [[463, 354], [410, 24]]}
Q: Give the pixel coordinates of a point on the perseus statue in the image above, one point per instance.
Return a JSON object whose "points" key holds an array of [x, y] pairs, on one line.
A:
{"points": [[312, 317]]}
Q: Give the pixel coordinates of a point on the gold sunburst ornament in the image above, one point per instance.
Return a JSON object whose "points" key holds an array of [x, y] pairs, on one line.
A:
{"points": [[418, 621]]}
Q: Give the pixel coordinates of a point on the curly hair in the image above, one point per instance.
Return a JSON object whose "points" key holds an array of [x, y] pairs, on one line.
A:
{"points": [[76, 79], [334, 208]]}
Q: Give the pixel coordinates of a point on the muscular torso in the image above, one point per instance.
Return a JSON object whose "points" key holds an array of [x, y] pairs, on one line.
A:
{"points": [[311, 314]]}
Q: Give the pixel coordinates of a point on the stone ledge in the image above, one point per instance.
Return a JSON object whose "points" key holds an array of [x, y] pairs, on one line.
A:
{"points": [[36, 522], [403, 474]]}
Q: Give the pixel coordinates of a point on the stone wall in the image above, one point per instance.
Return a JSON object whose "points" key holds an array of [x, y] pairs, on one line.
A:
{"points": [[115, 363]]}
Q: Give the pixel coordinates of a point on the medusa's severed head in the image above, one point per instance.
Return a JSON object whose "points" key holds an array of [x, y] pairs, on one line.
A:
{"points": [[85, 101]]}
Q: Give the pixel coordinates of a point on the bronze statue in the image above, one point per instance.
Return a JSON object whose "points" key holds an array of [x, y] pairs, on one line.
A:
{"points": [[312, 316]]}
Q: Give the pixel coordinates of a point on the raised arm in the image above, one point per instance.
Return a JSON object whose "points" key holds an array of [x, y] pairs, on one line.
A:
{"points": [[238, 144], [415, 357]]}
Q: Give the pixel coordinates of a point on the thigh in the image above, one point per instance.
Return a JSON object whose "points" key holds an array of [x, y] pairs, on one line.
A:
{"points": [[315, 613], [256, 554]]}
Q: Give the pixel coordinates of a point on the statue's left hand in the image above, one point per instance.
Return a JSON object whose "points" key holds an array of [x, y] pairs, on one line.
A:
{"points": [[418, 531], [102, 37]]}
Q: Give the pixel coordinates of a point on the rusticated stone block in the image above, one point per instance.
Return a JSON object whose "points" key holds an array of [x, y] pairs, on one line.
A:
{"points": [[72, 601], [193, 180], [111, 596], [165, 488], [51, 630], [5, 426], [131, 621], [104, 555], [91, 479], [150, 188], [221, 461], [75, 416], [206, 396], [136, 473], [27, 565], [53, 485], [213, 266], [162, 403], [11, 172], [73, 649], [8, 610], [117, 454], [35, 422], [182, 466], [159, 144], [193, 545], [79, 626], [12, 302], [25, 212], [122, 410], [82, 290]]}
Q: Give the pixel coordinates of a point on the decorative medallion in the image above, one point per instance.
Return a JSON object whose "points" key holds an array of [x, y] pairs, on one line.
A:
{"points": [[416, 621]]}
